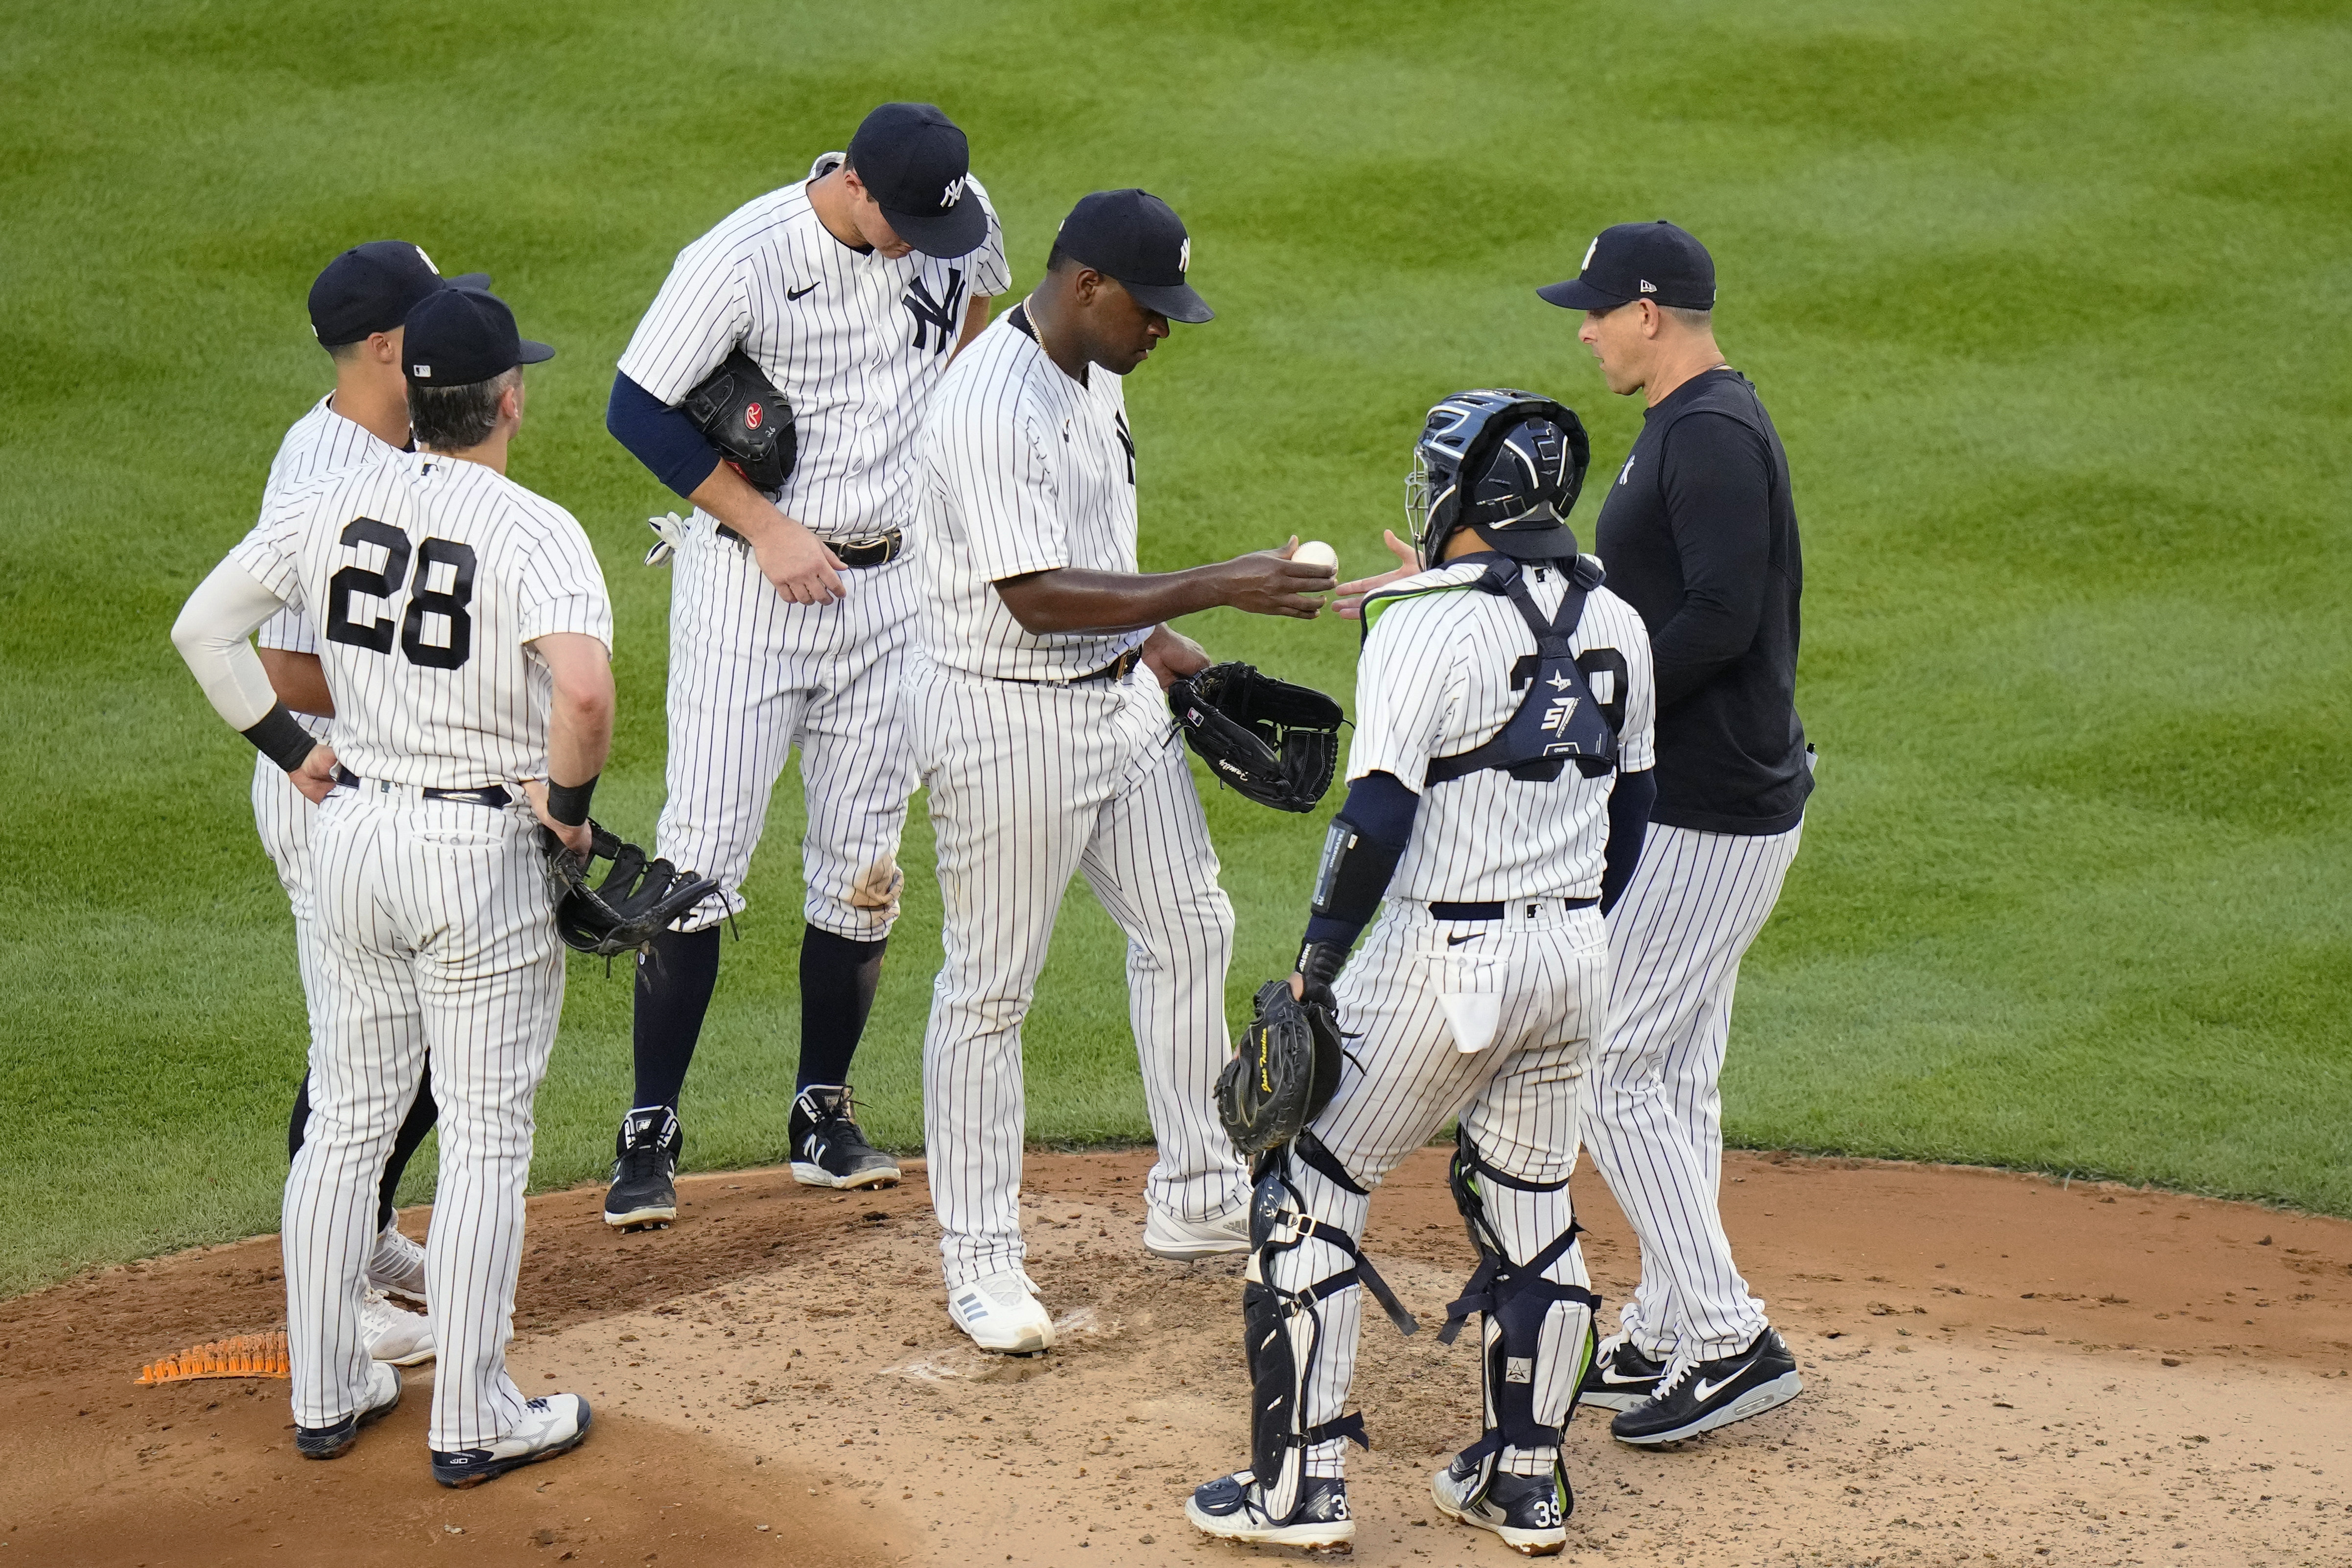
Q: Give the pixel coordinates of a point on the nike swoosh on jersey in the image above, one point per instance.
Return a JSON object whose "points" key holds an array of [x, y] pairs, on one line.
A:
{"points": [[796, 293], [1457, 941]]}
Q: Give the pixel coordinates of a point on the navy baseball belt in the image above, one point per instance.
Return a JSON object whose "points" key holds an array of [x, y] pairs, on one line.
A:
{"points": [[890, 547], [1496, 910], [1118, 670], [489, 795]]}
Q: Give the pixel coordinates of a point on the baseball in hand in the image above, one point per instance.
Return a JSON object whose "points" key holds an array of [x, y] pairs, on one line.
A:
{"points": [[1315, 553]]}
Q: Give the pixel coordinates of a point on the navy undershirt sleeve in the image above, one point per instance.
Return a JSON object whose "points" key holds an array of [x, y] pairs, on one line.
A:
{"points": [[659, 436], [1380, 809], [1629, 800]]}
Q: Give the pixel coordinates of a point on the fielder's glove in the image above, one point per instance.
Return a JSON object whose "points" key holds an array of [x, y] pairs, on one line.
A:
{"points": [[743, 416], [1276, 743], [636, 899], [1285, 1070]]}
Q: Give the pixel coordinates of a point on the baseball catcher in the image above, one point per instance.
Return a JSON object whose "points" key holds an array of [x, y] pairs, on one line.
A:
{"points": [[1504, 702], [621, 914], [1276, 743]]}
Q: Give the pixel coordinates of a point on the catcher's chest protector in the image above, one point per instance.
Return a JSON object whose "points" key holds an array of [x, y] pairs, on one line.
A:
{"points": [[1558, 722]]}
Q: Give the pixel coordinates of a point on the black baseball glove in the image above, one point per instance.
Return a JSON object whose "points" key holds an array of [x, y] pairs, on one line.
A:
{"points": [[741, 413], [1276, 743], [1285, 1070], [621, 914]]}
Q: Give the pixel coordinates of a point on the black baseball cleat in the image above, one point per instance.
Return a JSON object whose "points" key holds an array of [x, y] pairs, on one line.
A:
{"points": [[1619, 1377], [645, 1188], [1233, 1507], [1712, 1393], [828, 1149], [329, 1441], [1530, 1512], [551, 1426]]}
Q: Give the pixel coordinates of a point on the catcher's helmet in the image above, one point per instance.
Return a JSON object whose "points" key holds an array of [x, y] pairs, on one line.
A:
{"points": [[1506, 463]]}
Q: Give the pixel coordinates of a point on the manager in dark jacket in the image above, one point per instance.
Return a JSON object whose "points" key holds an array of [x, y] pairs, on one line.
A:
{"points": [[1699, 536]]}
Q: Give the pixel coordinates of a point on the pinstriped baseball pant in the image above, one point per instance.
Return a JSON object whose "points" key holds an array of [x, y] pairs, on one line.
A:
{"points": [[1654, 1122], [435, 924], [1029, 784]]}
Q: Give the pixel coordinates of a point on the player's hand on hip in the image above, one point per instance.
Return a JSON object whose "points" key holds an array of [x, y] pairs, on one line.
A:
{"points": [[1269, 582], [1170, 654], [1350, 603], [316, 778], [579, 837], [797, 563]]}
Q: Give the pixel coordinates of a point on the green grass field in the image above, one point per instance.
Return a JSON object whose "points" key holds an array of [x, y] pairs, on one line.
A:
{"points": [[2050, 303]]}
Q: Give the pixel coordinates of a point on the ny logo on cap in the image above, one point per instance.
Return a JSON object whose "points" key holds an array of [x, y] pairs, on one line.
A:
{"points": [[1184, 256], [1587, 263], [953, 193], [423, 258]]}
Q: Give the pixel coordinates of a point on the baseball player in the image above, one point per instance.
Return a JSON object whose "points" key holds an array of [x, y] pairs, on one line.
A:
{"points": [[1046, 751], [357, 306], [1498, 782], [1700, 534], [790, 614], [466, 643]]}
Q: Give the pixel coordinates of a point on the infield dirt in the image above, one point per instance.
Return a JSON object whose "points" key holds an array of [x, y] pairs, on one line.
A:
{"points": [[1999, 1369]]}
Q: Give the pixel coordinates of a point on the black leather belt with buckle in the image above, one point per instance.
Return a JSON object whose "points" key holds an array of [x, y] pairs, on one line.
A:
{"points": [[492, 795], [1118, 670], [1494, 911], [890, 547]]}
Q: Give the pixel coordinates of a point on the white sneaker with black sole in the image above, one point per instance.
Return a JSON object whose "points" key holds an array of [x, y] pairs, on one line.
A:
{"points": [[1701, 1397], [1002, 1314], [382, 1397], [553, 1425], [1620, 1377], [1187, 1240]]}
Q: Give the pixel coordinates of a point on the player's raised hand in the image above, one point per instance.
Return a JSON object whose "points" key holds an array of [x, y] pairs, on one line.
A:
{"points": [[1268, 582], [798, 564], [1350, 603], [316, 778]]}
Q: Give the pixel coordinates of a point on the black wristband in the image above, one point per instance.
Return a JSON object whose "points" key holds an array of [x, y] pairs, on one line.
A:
{"points": [[568, 803], [281, 738]]}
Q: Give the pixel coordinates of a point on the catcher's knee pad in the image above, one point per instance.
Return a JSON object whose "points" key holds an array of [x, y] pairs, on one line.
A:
{"points": [[1283, 1328], [1538, 1333]]}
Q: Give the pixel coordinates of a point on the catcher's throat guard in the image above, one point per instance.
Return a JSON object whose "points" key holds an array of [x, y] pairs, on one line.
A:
{"points": [[621, 913], [745, 418], [1274, 742], [1558, 721]]}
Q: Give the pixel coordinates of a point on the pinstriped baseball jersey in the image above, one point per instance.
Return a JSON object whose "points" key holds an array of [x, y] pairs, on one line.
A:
{"points": [[1027, 471], [1435, 679], [321, 442], [430, 574], [852, 339]]}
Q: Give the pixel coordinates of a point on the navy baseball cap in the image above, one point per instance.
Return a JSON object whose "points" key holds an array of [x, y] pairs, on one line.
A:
{"points": [[372, 287], [1639, 261], [915, 164], [459, 336], [1134, 237]]}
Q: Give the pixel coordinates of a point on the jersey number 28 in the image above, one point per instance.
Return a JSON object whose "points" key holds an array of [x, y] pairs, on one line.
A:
{"points": [[423, 597]]}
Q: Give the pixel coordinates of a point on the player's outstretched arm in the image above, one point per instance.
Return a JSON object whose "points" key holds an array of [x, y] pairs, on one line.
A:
{"points": [[211, 634], [578, 734], [1067, 599], [1350, 603]]}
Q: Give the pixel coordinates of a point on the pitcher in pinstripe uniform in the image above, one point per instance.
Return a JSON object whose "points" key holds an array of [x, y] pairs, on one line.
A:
{"points": [[791, 614], [1500, 782], [1039, 724], [1700, 533], [466, 643], [357, 306]]}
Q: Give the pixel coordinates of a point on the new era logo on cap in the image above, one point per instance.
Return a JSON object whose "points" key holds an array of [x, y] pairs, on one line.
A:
{"points": [[1639, 261]]}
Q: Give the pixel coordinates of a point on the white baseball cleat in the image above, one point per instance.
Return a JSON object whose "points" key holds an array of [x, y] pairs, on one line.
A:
{"points": [[1002, 1314], [397, 1266], [1166, 1236], [552, 1424], [400, 1337]]}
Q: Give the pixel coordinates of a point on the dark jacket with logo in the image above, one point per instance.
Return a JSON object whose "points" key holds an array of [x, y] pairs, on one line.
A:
{"points": [[1699, 534]]}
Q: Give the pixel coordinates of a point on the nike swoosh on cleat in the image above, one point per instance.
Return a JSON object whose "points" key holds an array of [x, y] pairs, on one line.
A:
{"points": [[1610, 1375], [1704, 1391], [796, 293]]}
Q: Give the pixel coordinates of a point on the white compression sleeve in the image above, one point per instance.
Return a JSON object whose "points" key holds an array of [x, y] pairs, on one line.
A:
{"points": [[211, 634]]}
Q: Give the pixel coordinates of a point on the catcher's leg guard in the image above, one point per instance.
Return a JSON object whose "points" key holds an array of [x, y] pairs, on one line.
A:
{"points": [[1537, 1331], [1300, 1310]]}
